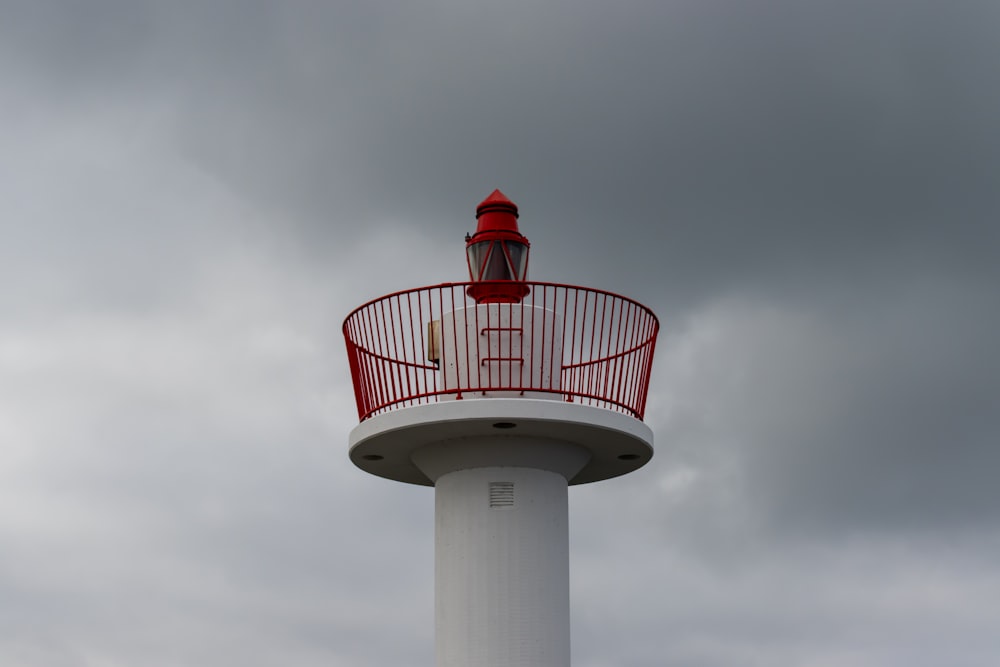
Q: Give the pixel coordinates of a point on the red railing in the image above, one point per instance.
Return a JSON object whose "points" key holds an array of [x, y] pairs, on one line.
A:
{"points": [[559, 342]]}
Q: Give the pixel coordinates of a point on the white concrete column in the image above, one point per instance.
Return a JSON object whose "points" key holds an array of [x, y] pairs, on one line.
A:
{"points": [[502, 553], [502, 568]]}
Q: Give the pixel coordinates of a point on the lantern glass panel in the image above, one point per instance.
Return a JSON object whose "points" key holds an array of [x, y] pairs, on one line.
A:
{"points": [[477, 254], [496, 266], [518, 258]]}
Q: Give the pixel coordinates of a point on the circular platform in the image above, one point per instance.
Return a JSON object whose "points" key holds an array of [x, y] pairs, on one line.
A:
{"points": [[383, 445]]}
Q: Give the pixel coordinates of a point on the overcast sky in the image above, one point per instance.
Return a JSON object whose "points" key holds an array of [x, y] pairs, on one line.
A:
{"points": [[194, 194]]}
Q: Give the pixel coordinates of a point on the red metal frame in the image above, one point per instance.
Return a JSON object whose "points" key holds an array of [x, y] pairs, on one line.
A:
{"points": [[496, 225], [607, 348]]}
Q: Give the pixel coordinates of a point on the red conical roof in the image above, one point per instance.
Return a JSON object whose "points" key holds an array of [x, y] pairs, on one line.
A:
{"points": [[497, 213]]}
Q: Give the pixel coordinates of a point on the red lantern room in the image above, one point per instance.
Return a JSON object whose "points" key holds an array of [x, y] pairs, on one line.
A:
{"points": [[497, 253]]}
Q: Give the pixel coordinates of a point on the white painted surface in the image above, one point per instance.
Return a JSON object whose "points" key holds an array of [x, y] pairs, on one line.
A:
{"points": [[501, 573], [501, 345], [396, 435], [501, 554]]}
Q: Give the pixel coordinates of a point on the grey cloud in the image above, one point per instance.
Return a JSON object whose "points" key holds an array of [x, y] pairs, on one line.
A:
{"points": [[194, 196], [874, 417], [758, 139]]}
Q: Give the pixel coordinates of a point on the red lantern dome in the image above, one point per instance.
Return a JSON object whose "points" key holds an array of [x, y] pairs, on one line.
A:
{"points": [[497, 253]]}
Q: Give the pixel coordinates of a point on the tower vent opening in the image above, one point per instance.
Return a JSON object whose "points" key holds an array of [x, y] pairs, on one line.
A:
{"points": [[501, 494]]}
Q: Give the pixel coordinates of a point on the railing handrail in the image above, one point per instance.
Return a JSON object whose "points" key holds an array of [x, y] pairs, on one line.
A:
{"points": [[600, 353], [529, 283]]}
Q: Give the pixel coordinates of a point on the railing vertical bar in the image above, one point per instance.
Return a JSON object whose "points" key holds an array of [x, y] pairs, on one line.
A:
{"points": [[373, 363], [589, 370], [387, 358], [364, 366], [548, 312], [614, 346], [366, 338], [519, 329], [529, 367], [565, 318], [635, 370], [641, 364], [479, 352], [352, 363], [425, 384], [596, 353], [454, 334], [398, 375], [391, 336], [549, 324], [411, 368], [648, 325], [505, 313], [440, 373], [608, 353], [374, 332], [371, 334], [444, 359], [634, 327], [418, 352], [620, 353], [622, 325], [647, 363], [399, 352]]}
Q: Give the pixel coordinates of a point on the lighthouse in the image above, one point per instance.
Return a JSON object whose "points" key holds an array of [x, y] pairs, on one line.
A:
{"points": [[500, 393]]}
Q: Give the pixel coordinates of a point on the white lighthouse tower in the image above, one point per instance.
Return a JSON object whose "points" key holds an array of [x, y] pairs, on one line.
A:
{"points": [[499, 393]]}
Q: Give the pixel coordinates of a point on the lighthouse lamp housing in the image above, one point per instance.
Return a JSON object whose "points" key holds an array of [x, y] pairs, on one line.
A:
{"points": [[497, 254]]}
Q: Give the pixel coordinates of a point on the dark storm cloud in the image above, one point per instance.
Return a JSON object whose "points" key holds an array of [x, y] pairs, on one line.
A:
{"points": [[760, 140], [196, 193], [813, 153], [874, 415], [905, 436]]}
